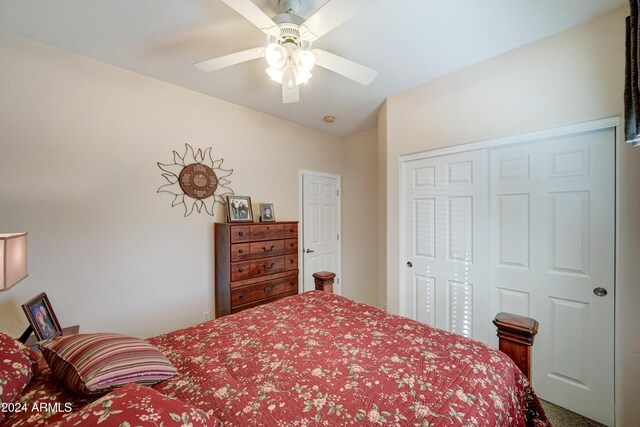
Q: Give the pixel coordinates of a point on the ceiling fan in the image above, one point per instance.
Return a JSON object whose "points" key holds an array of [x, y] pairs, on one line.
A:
{"points": [[289, 37]]}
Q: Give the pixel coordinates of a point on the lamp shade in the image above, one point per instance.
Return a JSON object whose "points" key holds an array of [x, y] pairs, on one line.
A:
{"points": [[13, 259]]}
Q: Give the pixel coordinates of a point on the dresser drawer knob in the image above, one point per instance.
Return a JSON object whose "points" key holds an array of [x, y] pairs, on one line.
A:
{"points": [[241, 296], [241, 233], [290, 245], [264, 248], [270, 267], [241, 269], [291, 261], [291, 230], [240, 250]]}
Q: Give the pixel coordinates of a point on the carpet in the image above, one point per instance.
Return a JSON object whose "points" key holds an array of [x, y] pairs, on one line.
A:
{"points": [[561, 417]]}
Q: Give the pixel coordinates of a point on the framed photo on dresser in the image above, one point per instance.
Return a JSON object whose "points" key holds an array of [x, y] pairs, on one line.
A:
{"points": [[239, 209], [267, 213]]}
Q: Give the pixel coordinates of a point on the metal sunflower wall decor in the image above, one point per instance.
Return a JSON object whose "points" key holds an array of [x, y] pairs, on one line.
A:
{"points": [[194, 177]]}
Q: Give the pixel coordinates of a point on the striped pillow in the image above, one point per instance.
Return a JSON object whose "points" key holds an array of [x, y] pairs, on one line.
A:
{"points": [[96, 363]]}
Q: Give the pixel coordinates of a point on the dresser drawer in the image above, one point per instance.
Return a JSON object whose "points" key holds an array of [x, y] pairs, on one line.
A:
{"points": [[291, 246], [290, 230], [286, 284], [240, 252], [267, 232], [240, 234], [267, 290], [267, 266], [267, 248], [240, 296], [291, 283], [240, 271], [291, 262]]}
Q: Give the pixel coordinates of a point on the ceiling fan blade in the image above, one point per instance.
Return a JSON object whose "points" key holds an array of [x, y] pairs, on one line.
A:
{"points": [[231, 59], [352, 70], [333, 14], [253, 14], [290, 94]]}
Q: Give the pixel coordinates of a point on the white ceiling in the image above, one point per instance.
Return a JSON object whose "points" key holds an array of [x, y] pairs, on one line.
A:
{"points": [[408, 41]]}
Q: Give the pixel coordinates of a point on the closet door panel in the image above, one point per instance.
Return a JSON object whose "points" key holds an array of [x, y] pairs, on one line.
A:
{"points": [[444, 212], [552, 245]]}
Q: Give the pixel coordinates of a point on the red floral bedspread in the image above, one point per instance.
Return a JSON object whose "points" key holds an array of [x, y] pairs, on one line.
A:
{"points": [[318, 358]]}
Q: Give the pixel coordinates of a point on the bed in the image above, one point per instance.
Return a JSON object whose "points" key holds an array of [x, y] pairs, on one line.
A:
{"points": [[317, 359]]}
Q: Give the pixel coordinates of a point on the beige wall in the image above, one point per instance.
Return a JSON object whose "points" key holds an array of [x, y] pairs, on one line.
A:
{"points": [[360, 217], [78, 152], [573, 76]]}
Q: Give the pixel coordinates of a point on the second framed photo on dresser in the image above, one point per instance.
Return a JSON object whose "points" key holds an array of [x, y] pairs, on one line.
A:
{"points": [[267, 213], [239, 209]]}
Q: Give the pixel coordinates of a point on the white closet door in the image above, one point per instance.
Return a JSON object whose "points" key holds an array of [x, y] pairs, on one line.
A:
{"points": [[321, 228], [552, 244], [445, 242]]}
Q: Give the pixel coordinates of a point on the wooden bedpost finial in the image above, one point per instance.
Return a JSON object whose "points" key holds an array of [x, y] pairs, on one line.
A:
{"points": [[324, 281], [516, 334]]}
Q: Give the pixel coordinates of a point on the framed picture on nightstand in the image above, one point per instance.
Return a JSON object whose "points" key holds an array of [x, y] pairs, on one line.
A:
{"points": [[42, 318]]}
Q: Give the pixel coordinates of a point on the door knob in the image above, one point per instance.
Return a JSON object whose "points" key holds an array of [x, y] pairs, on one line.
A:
{"points": [[310, 251], [409, 264], [600, 292]]}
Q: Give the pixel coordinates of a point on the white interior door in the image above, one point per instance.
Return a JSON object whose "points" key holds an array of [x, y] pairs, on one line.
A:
{"points": [[321, 227], [552, 245], [444, 205]]}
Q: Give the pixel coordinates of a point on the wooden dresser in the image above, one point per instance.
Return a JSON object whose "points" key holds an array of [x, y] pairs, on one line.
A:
{"points": [[255, 264]]}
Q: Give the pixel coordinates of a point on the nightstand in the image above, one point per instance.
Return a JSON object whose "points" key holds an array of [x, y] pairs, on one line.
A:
{"points": [[32, 342]]}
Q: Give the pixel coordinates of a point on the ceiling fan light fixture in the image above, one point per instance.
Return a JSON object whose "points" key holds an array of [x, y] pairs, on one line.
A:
{"points": [[305, 59], [276, 74], [276, 55], [289, 39]]}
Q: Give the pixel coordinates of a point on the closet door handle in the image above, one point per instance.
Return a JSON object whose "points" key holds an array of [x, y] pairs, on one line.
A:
{"points": [[601, 292], [310, 251]]}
